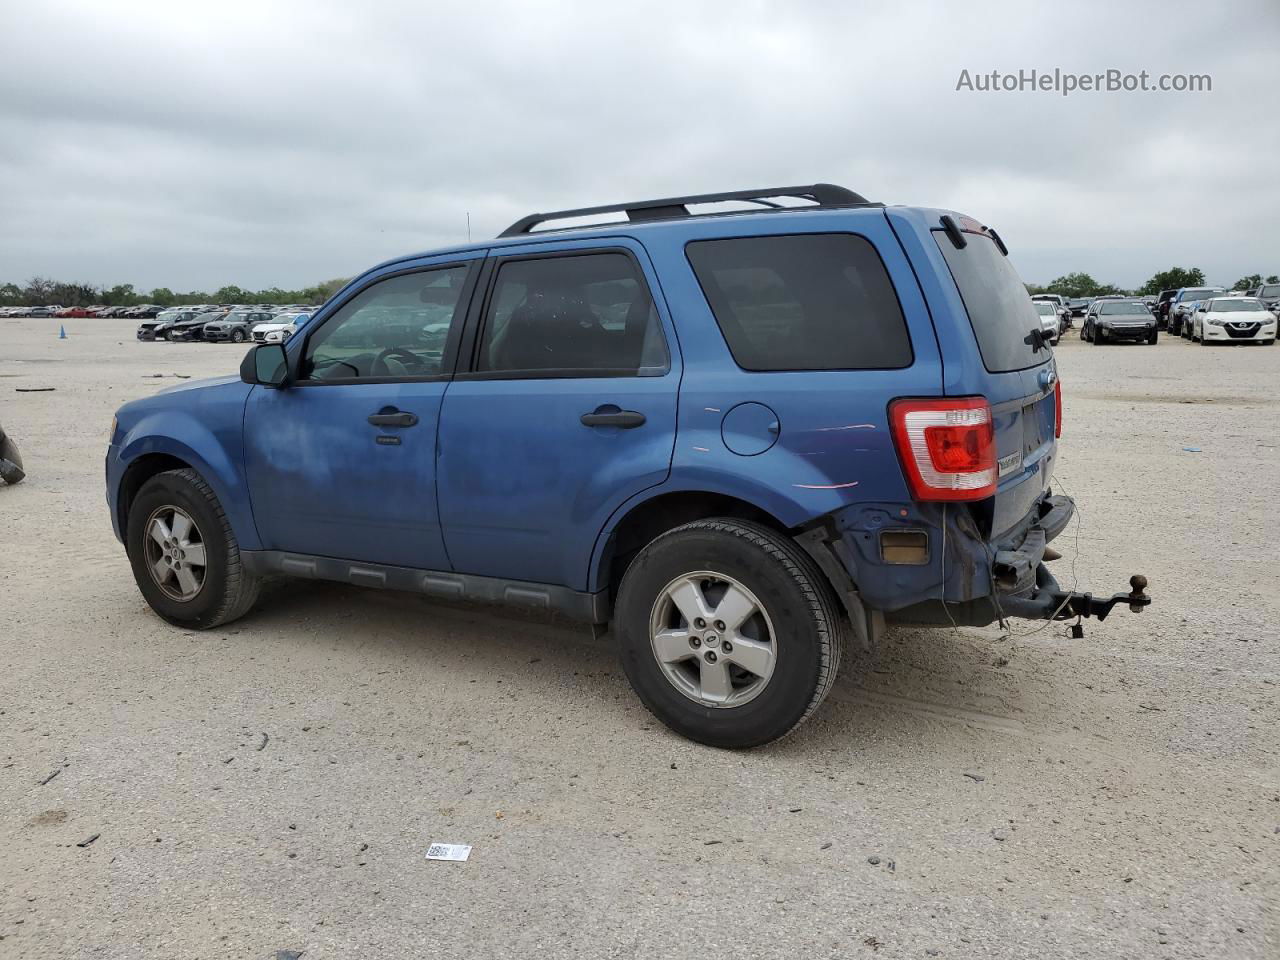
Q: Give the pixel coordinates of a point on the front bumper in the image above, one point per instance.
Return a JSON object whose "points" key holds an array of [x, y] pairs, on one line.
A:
{"points": [[1248, 333], [1135, 332]]}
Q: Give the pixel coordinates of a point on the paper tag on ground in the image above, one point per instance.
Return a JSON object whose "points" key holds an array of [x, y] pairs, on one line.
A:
{"points": [[448, 851]]}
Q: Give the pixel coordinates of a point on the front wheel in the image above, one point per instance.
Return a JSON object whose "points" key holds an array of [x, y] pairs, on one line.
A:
{"points": [[185, 558], [237, 336], [1097, 337], [1153, 336], [728, 632]]}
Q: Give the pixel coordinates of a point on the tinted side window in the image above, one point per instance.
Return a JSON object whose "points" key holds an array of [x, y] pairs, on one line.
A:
{"points": [[803, 302], [588, 315], [395, 328]]}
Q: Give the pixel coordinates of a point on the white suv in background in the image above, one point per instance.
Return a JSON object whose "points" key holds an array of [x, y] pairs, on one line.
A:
{"points": [[1233, 320]]}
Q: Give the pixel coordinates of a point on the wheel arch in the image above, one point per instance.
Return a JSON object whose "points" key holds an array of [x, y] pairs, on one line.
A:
{"points": [[630, 529]]}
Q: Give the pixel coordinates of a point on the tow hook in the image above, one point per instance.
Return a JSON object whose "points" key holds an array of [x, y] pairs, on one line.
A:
{"points": [[1073, 606]]}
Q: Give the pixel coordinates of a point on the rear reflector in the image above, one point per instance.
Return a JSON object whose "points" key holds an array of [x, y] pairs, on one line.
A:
{"points": [[909, 547], [1057, 408], [947, 447]]}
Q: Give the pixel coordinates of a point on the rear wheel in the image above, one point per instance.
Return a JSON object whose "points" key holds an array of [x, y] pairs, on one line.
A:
{"points": [[185, 558], [728, 632]]}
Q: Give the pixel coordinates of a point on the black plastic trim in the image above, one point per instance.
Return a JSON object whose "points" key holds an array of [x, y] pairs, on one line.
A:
{"points": [[574, 604]]}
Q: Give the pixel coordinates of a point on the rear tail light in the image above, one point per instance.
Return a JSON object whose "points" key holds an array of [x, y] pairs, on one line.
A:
{"points": [[1057, 408], [947, 447]]}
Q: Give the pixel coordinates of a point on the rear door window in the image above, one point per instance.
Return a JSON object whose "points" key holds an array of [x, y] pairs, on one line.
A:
{"points": [[999, 308], [803, 302]]}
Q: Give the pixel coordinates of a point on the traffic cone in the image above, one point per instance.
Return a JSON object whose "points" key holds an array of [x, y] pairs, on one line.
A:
{"points": [[62, 332]]}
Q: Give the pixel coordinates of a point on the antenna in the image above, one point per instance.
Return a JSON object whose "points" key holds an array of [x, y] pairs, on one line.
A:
{"points": [[468, 226]]}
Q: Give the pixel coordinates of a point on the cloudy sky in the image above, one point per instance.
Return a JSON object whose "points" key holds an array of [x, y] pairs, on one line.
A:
{"points": [[280, 142]]}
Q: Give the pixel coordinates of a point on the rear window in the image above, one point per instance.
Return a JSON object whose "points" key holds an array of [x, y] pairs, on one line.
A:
{"points": [[999, 309], [803, 302]]}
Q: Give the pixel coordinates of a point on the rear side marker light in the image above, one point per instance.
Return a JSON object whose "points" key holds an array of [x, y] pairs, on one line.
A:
{"points": [[947, 447]]}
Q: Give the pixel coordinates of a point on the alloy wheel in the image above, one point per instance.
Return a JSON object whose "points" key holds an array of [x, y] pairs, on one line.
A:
{"points": [[175, 553], [713, 639]]}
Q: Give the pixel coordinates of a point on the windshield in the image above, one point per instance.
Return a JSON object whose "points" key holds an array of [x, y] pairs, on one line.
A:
{"points": [[1270, 290], [1116, 309], [1045, 309], [1198, 293], [1235, 306], [1000, 311]]}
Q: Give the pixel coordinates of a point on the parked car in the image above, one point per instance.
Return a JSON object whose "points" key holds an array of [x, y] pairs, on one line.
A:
{"points": [[279, 329], [193, 328], [1180, 306], [1078, 306], [237, 325], [1113, 320], [1062, 305], [1050, 319], [1269, 294], [158, 329], [1232, 320], [74, 313], [42, 311], [795, 470], [1163, 302]]}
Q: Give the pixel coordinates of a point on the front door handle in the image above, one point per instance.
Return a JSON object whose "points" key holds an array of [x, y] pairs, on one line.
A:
{"points": [[611, 415], [394, 419]]}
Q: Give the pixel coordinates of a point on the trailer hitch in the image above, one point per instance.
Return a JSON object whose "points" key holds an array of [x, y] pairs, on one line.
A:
{"points": [[1073, 606]]}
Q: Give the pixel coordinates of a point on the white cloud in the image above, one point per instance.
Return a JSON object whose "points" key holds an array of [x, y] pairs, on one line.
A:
{"points": [[284, 142]]}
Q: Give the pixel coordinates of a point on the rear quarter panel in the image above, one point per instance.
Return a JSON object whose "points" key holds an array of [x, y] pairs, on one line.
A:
{"points": [[833, 445]]}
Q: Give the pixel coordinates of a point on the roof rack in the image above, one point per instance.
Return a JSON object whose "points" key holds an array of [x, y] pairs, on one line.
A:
{"points": [[822, 195]]}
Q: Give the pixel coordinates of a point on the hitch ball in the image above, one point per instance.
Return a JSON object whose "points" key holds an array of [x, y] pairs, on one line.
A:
{"points": [[1137, 598]]}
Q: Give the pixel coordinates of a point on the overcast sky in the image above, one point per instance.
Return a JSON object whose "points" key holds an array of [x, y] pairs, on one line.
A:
{"points": [[281, 142]]}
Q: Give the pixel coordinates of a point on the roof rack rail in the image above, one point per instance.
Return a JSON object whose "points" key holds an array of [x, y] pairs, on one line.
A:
{"points": [[822, 194]]}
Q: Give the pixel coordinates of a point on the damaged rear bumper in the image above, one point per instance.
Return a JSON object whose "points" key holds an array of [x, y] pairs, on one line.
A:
{"points": [[968, 579]]}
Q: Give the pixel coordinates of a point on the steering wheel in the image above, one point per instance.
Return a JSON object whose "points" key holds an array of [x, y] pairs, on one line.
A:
{"points": [[391, 354]]}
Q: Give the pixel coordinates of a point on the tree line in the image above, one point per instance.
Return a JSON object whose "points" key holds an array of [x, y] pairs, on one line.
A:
{"points": [[1083, 285], [43, 292]]}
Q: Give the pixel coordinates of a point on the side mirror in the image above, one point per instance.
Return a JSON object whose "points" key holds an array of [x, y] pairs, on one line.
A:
{"points": [[266, 364]]}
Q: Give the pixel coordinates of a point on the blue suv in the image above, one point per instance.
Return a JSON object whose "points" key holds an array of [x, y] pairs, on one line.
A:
{"points": [[740, 437]]}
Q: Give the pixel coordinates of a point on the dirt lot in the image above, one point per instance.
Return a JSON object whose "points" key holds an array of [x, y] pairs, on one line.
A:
{"points": [[966, 794]]}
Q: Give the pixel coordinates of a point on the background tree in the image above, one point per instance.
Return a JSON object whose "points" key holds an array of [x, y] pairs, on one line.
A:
{"points": [[232, 294], [1248, 283], [11, 295], [162, 297], [121, 295], [1081, 285], [1272, 279], [1173, 279]]}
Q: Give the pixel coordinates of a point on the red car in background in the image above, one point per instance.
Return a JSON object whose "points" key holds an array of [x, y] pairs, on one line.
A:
{"points": [[72, 312]]}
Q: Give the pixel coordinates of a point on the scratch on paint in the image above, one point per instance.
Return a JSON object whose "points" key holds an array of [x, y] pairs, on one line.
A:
{"points": [[702, 449], [711, 409], [852, 426], [825, 486]]}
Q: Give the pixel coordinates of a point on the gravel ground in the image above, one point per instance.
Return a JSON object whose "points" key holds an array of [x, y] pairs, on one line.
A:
{"points": [[273, 785]]}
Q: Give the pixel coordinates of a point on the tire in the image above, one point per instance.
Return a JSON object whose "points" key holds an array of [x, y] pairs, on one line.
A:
{"points": [[226, 590], [797, 614], [237, 336], [1098, 337], [1153, 337]]}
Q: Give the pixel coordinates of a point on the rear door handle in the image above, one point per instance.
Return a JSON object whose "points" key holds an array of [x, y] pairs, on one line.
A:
{"points": [[395, 419], [611, 415]]}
